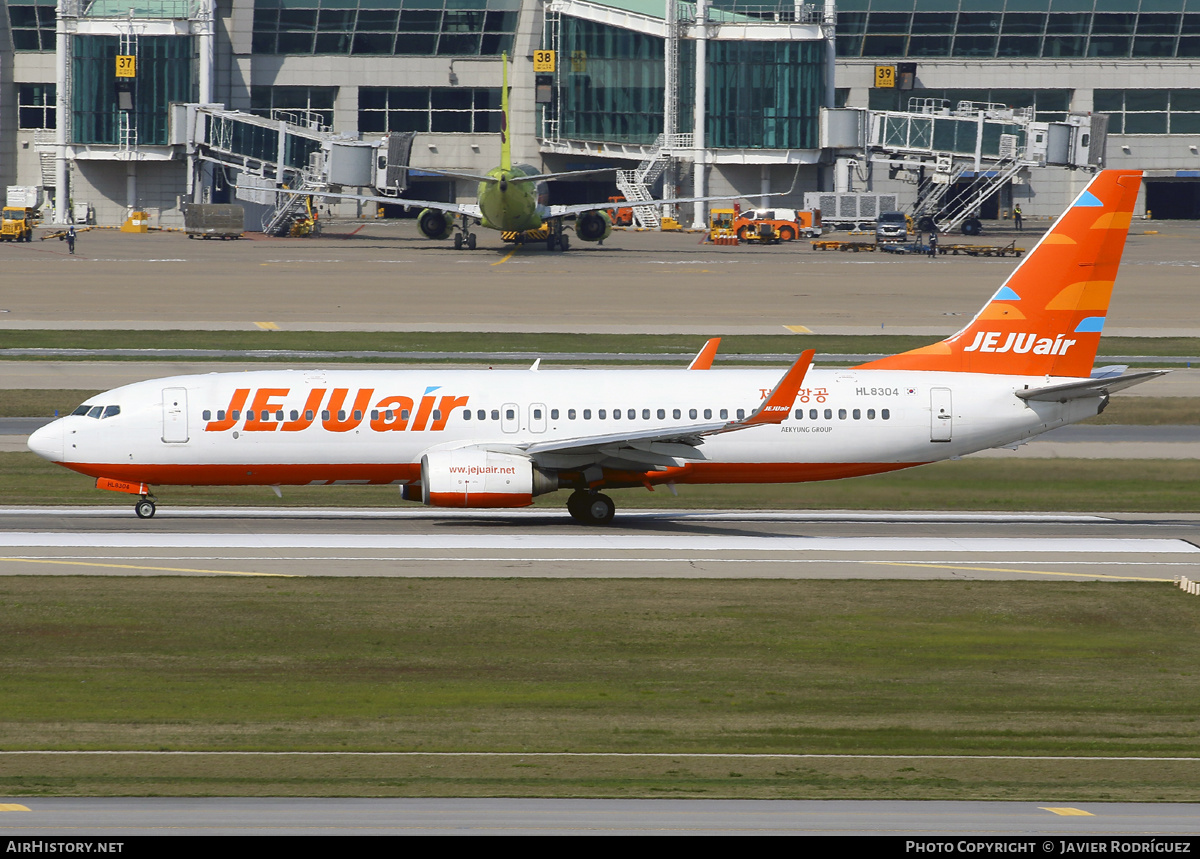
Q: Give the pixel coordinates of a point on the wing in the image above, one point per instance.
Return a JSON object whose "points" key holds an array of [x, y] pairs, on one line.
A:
{"points": [[580, 208], [471, 210], [663, 447]]}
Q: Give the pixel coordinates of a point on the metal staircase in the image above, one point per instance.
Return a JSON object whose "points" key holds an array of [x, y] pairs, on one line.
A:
{"points": [[636, 184]]}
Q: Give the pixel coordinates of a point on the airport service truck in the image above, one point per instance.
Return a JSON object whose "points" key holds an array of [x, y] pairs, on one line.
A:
{"points": [[20, 213]]}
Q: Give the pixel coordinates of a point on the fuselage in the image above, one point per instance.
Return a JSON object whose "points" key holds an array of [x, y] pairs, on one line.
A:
{"points": [[509, 204], [291, 427]]}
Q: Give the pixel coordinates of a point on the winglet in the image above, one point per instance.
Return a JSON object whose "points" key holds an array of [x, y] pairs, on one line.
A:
{"points": [[704, 358], [505, 142], [778, 404]]}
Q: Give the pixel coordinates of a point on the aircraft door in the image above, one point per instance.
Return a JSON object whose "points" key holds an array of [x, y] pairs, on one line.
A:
{"points": [[537, 417], [175, 415], [941, 415], [510, 417]]}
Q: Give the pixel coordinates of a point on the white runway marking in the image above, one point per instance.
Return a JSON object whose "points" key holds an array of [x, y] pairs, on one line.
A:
{"points": [[584, 542], [411, 513]]}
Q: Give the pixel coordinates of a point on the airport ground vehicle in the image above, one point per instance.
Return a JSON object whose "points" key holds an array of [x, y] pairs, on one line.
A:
{"points": [[891, 227], [18, 224], [785, 225], [622, 216], [498, 438]]}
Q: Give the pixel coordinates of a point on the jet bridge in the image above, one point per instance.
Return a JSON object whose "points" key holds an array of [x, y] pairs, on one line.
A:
{"points": [[288, 150], [944, 145]]}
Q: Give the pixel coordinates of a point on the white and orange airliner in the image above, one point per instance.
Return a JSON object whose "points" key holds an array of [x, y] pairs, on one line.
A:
{"points": [[498, 438]]}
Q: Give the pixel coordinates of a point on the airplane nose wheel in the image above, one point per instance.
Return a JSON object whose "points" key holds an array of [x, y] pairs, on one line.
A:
{"points": [[144, 509], [591, 508]]}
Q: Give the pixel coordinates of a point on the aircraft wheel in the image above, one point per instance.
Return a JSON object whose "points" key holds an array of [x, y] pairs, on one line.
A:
{"points": [[144, 509], [576, 502], [458, 241], [563, 242], [471, 242], [597, 509]]}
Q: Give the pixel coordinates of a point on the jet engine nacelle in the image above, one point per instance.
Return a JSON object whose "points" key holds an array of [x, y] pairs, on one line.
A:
{"points": [[434, 224], [469, 477], [593, 226]]}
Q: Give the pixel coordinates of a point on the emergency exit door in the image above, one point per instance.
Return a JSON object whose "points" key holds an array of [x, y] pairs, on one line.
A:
{"points": [[175, 415]]}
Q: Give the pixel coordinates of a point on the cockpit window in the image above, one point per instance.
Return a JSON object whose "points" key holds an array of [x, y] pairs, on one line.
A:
{"points": [[97, 412]]}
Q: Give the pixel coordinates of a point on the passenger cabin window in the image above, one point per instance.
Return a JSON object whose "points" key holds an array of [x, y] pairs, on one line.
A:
{"points": [[206, 415], [587, 414]]}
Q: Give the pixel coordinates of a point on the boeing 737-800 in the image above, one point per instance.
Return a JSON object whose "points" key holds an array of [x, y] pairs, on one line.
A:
{"points": [[498, 438], [513, 199]]}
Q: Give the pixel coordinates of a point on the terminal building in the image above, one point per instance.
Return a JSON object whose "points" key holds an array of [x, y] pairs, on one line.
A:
{"points": [[709, 97]]}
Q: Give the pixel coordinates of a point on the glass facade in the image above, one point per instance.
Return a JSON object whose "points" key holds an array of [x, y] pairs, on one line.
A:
{"points": [[32, 23], [763, 95], [164, 75], [1047, 29], [1150, 111], [460, 109], [312, 100], [457, 28], [612, 83]]}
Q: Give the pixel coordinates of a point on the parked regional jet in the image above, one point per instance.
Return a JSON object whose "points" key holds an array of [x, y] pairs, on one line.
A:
{"points": [[497, 438], [511, 198]]}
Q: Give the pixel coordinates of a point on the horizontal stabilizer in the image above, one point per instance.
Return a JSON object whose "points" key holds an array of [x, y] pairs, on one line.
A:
{"points": [[1086, 388]]}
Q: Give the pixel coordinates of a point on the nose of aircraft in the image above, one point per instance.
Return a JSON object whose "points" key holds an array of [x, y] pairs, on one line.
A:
{"points": [[47, 442]]}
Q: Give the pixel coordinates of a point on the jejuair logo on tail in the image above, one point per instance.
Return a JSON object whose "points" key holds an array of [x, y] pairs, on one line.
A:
{"points": [[1020, 344]]}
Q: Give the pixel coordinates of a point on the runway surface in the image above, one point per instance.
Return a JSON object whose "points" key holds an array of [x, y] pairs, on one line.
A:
{"points": [[544, 543], [117, 817]]}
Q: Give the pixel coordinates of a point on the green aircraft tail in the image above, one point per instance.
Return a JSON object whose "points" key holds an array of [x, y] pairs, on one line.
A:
{"points": [[505, 143]]}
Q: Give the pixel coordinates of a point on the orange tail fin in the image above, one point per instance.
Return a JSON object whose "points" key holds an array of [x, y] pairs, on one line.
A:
{"points": [[1047, 317]]}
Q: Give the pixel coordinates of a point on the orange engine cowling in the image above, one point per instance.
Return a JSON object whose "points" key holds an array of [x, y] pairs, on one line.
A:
{"points": [[470, 477]]}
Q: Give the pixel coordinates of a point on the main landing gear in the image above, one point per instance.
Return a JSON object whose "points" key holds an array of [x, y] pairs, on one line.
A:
{"points": [[144, 507], [591, 508], [557, 239]]}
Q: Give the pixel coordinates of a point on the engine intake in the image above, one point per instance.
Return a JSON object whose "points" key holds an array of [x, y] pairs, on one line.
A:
{"points": [[434, 224], [593, 226]]}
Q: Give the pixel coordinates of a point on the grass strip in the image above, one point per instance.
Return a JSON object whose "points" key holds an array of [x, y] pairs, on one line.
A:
{"points": [[1086, 485], [633, 666], [490, 341]]}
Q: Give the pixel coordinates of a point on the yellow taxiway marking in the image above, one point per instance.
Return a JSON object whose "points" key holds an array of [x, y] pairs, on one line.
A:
{"points": [[137, 567], [507, 256], [13, 806], [1068, 812], [267, 326], [1026, 572], [798, 329]]}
